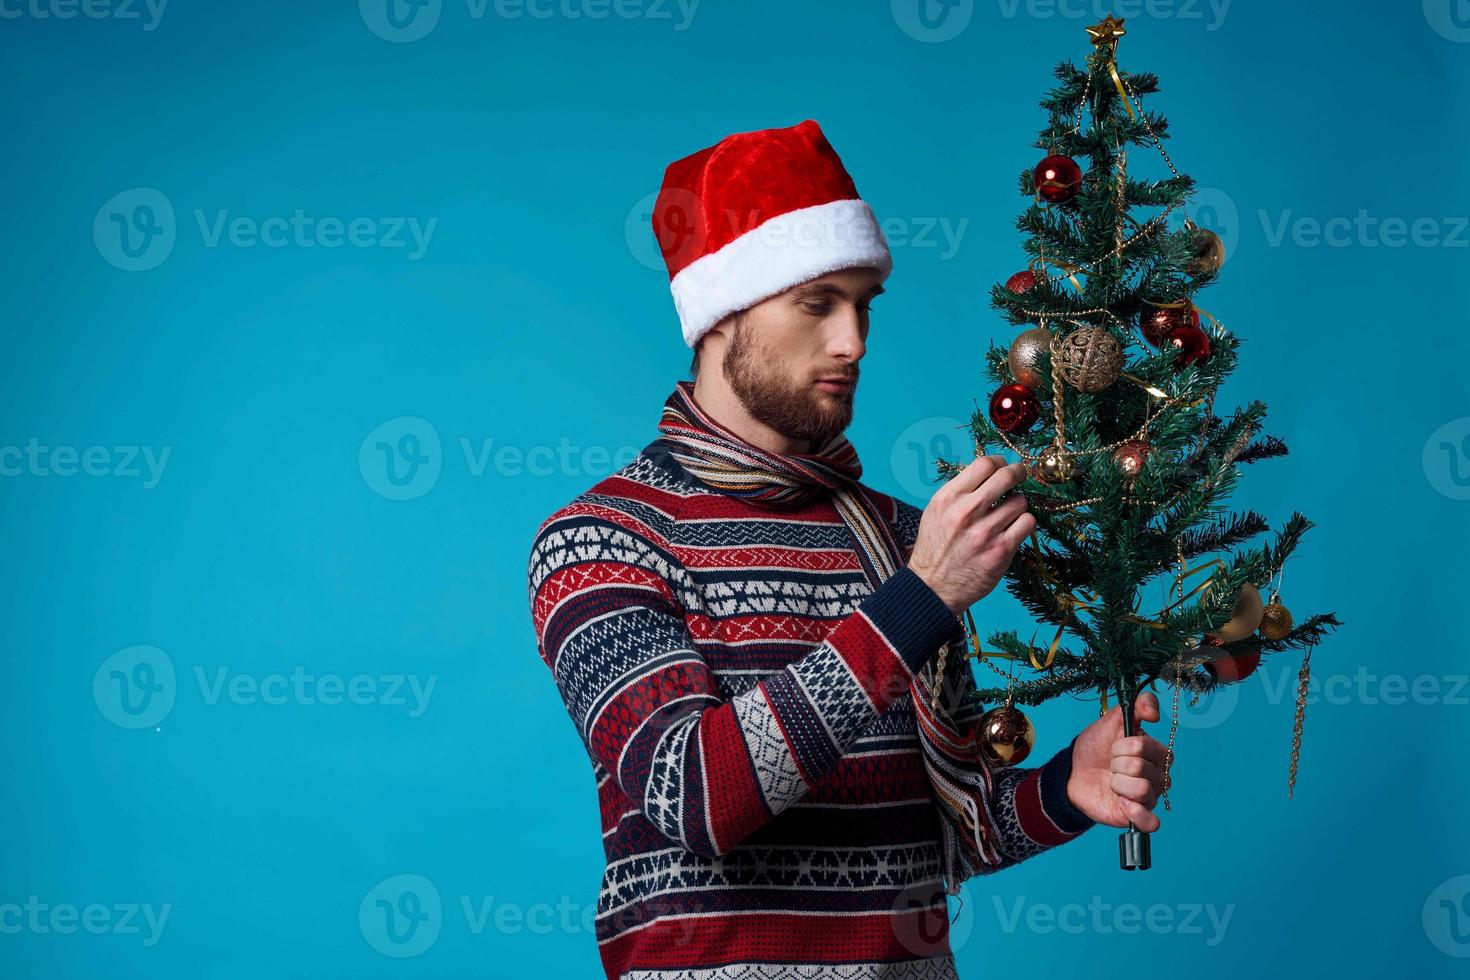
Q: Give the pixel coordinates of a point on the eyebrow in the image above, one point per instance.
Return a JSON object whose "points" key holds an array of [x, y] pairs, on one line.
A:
{"points": [[832, 289]]}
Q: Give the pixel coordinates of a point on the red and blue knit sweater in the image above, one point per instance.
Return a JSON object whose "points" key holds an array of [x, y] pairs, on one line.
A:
{"points": [[742, 693]]}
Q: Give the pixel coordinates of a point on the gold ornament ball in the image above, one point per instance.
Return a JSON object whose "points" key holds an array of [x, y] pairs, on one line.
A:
{"points": [[1209, 254], [1054, 465], [1025, 355], [1245, 617], [1006, 735], [1090, 359], [1276, 620]]}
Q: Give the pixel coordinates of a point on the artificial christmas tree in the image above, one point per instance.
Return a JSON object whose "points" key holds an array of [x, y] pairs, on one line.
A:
{"points": [[1108, 394]]}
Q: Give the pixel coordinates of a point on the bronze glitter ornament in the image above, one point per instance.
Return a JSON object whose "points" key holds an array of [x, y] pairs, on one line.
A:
{"points": [[1054, 465], [1090, 359], [1245, 617], [1130, 458], [1276, 620], [1209, 253], [1005, 735], [1025, 353]]}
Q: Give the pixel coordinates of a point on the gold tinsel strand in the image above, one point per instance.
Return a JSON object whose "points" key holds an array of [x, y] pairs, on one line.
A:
{"points": [[1122, 204], [1169, 754], [1144, 229], [1301, 710], [1057, 392]]}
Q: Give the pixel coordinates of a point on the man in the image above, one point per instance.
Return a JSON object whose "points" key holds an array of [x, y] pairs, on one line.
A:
{"points": [[738, 627]]}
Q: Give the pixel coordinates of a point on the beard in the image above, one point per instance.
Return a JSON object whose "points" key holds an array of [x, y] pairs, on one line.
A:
{"points": [[794, 407]]}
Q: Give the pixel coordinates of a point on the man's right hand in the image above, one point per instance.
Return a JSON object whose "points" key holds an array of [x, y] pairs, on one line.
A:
{"points": [[965, 544]]}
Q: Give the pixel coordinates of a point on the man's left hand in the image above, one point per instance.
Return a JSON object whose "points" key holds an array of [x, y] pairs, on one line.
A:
{"points": [[1116, 779]]}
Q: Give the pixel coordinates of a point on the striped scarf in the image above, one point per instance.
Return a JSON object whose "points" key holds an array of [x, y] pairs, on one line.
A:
{"points": [[958, 776]]}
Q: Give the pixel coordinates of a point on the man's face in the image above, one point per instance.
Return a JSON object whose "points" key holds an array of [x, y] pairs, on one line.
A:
{"points": [[783, 351]]}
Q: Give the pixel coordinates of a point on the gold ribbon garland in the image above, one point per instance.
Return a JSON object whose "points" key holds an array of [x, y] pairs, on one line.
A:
{"points": [[1182, 304], [1065, 600], [1122, 92], [1039, 264]]}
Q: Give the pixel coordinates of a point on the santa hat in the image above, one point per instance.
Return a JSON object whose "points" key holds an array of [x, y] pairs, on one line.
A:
{"points": [[756, 214]]}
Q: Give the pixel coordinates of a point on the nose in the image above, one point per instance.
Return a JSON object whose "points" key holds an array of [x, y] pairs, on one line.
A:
{"points": [[847, 342]]}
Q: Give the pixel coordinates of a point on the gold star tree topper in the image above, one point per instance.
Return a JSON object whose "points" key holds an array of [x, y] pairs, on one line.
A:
{"points": [[1106, 33]]}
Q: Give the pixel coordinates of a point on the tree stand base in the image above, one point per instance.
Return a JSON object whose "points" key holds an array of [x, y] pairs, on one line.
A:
{"points": [[1133, 850]]}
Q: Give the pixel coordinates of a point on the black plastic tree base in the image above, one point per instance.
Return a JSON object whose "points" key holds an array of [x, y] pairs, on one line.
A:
{"points": [[1133, 851], [1132, 843]]}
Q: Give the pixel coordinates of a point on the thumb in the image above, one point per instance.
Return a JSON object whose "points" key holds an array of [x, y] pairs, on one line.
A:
{"points": [[1145, 708]]}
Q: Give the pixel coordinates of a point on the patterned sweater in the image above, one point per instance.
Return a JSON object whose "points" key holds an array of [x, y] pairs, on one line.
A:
{"points": [[742, 693]]}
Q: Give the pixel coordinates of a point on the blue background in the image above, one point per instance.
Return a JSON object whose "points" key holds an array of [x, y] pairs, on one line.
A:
{"points": [[537, 319]]}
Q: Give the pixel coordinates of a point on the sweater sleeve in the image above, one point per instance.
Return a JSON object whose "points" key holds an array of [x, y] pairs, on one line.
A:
{"points": [[707, 771], [1028, 807]]}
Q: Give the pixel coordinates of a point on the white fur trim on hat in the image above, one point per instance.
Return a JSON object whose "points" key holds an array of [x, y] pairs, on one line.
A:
{"points": [[785, 251]]}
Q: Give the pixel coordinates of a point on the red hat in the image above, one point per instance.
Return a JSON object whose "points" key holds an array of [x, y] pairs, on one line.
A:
{"points": [[756, 214]]}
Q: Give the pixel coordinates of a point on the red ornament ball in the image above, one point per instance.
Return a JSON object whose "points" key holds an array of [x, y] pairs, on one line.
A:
{"points": [[1021, 281], [1234, 667], [1058, 178], [1130, 458], [1192, 342], [1014, 408], [1157, 321]]}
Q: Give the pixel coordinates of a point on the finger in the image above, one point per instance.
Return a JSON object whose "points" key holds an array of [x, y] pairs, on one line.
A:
{"points": [[1019, 531], [1142, 817], [1134, 788], [1137, 765], [985, 498], [1145, 746], [998, 519], [1003, 481], [975, 473], [1146, 707]]}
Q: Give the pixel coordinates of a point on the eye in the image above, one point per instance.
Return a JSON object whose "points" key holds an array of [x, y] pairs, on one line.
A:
{"points": [[817, 309]]}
